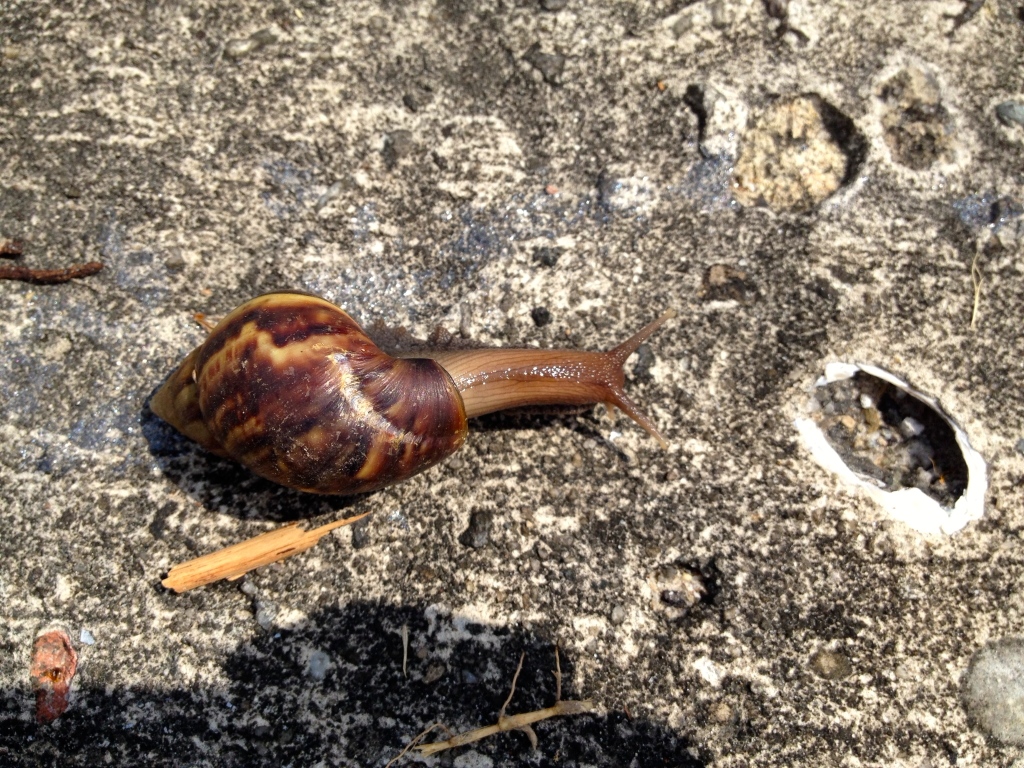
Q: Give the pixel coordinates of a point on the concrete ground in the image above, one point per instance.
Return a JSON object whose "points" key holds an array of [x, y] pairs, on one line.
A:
{"points": [[806, 182]]}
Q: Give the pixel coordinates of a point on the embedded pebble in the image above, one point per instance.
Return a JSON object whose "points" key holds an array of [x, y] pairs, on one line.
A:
{"points": [[266, 612], [994, 690], [53, 667], [86, 637], [175, 262], [330, 194], [831, 665], [417, 98], [239, 48], [318, 665], [1010, 112], [911, 427], [618, 615], [721, 712], [547, 256], [434, 673], [550, 65], [645, 360], [397, 145]]}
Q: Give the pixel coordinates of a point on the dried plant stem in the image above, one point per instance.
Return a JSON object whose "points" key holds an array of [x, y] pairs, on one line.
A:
{"points": [[513, 723], [521, 722], [238, 559], [48, 276], [405, 650], [419, 737], [976, 282]]}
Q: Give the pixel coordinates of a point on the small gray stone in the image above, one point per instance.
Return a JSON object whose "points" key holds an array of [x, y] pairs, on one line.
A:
{"points": [[547, 256], [994, 690], [318, 665], [618, 615], [720, 15], [682, 25], [397, 145], [237, 49], [553, 5], [434, 673], [645, 360], [777, 9], [416, 99], [550, 65], [1019, 447], [175, 262], [911, 427], [266, 612], [1010, 112]]}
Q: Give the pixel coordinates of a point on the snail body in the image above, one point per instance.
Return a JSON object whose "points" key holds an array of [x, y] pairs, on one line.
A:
{"points": [[291, 387]]}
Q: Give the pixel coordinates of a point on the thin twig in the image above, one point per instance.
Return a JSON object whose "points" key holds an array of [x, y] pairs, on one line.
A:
{"points": [[511, 693], [48, 276], [419, 737], [976, 281], [558, 676], [405, 649]]}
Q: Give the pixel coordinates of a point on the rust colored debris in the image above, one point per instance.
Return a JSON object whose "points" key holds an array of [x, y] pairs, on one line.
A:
{"points": [[54, 662], [11, 249], [48, 276]]}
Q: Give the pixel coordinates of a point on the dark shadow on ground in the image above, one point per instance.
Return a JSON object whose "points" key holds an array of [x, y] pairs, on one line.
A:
{"points": [[227, 486], [274, 711]]}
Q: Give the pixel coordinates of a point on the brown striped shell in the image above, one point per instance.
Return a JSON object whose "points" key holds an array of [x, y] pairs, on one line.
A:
{"points": [[290, 386]]}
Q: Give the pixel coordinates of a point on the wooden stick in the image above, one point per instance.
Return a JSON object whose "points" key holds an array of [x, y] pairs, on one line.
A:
{"points": [[238, 559]]}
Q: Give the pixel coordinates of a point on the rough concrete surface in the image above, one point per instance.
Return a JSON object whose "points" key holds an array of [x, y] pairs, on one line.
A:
{"points": [[528, 173]]}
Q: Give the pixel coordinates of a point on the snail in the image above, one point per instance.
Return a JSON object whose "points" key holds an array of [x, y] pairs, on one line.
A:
{"points": [[291, 387]]}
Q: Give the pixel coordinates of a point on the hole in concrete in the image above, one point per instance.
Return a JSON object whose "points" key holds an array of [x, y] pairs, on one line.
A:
{"points": [[918, 128], [880, 434], [797, 153]]}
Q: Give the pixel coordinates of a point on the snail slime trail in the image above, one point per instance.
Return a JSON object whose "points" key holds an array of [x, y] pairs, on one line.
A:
{"points": [[291, 387]]}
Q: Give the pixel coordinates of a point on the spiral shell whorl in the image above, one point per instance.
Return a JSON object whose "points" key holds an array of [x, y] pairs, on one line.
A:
{"points": [[290, 386]]}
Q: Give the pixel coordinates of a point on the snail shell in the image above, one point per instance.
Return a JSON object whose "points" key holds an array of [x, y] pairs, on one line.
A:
{"points": [[291, 387]]}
